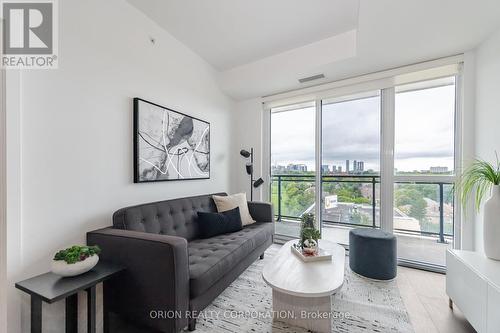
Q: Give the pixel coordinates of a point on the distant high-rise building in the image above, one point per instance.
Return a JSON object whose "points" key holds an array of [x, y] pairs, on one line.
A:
{"points": [[277, 169], [339, 169], [296, 167], [347, 166], [325, 168], [439, 169], [361, 166], [281, 168], [334, 168], [354, 165]]}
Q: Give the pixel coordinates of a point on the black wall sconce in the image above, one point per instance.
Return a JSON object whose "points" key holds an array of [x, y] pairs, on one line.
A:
{"points": [[254, 183]]}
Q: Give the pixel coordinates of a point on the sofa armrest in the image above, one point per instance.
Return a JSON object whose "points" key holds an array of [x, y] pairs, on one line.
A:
{"points": [[156, 276], [261, 211]]}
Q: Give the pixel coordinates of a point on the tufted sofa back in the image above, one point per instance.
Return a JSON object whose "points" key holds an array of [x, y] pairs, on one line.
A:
{"points": [[175, 217]]}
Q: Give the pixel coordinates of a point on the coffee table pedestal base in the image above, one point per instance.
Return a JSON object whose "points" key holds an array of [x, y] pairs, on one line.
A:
{"points": [[312, 313]]}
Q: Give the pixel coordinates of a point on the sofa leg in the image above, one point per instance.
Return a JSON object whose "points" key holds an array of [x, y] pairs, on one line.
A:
{"points": [[192, 324], [261, 256]]}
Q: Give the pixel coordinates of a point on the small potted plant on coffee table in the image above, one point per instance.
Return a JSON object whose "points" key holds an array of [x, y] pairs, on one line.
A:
{"points": [[75, 260], [309, 235], [310, 243]]}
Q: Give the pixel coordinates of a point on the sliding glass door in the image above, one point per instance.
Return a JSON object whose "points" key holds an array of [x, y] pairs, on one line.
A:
{"points": [[293, 171], [424, 169], [350, 170]]}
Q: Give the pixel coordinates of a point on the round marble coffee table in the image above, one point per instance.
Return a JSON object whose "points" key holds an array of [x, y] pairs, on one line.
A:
{"points": [[302, 291]]}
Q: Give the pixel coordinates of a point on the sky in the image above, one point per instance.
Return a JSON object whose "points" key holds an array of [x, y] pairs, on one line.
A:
{"points": [[351, 130]]}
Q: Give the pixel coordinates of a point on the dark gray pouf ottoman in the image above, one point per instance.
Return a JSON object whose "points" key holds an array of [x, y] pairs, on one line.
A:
{"points": [[373, 253]]}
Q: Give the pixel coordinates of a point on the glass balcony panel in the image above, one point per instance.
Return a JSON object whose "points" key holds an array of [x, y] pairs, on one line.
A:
{"points": [[423, 221], [292, 196], [351, 201]]}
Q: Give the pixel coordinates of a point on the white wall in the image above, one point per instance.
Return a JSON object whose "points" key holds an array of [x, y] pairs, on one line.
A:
{"points": [[487, 139], [73, 134], [248, 129], [3, 209], [468, 148], [281, 72]]}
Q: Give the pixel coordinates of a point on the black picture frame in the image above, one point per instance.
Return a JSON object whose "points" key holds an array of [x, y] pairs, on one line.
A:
{"points": [[138, 138]]}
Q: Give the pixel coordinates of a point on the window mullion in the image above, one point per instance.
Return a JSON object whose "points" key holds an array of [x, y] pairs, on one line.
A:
{"points": [[318, 151], [387, 159]]}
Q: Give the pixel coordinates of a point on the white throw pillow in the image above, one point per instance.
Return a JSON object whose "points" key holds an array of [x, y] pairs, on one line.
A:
{"points": [[225, 203]]}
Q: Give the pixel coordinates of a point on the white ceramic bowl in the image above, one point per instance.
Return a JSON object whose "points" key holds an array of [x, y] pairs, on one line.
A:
{"points": [[62, 268]]}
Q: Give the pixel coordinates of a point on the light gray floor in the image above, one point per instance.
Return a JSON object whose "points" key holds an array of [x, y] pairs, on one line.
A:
{"points": [[410, 247], [426, 301], [423, 294]]}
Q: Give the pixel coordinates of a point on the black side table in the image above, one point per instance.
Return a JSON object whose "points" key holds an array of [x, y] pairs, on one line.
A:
{"points": [[51, 288]]}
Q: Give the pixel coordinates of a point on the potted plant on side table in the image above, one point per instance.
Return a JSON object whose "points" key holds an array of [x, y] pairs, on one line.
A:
{"points": [[75, 260]]}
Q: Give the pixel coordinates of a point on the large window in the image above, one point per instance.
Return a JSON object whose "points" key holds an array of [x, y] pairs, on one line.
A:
{"points": [[351, 134], [350, 162], [292, 164], [424, 161], [424, 128], [377, 155]]}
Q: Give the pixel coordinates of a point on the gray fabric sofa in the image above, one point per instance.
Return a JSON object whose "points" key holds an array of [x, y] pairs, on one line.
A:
{"points": [[168, 267]]}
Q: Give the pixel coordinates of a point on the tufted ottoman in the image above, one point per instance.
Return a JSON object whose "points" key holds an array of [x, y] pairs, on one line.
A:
{"points": [[373, 253]]}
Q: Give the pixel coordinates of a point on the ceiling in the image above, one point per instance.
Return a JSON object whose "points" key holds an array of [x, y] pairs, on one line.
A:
{"points": [[261, 47], [230, 33]]}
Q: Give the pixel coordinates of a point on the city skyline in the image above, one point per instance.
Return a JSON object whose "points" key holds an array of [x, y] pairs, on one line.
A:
{"points": [[351, 130], [344, 169]]}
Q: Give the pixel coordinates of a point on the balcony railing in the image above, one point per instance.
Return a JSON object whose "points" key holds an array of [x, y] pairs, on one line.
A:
{"points": [[362, 208]]}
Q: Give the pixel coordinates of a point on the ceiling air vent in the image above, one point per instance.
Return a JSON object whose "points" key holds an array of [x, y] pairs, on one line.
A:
{"points": [[311, 78]]}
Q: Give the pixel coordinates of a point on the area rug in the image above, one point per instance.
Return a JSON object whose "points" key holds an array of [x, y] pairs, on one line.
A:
{"points": [[360, 306]]}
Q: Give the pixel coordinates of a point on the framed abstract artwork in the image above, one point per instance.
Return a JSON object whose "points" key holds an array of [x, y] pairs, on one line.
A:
{"points": [[169, 145]]}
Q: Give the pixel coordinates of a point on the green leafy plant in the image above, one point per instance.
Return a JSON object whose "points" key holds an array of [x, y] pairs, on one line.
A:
{"points": [[77, 253], [478, 177], [311, 233], [307, 220]]}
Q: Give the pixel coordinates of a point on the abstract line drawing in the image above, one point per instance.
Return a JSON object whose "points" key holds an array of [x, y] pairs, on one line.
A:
{"points": [[169, 145]]}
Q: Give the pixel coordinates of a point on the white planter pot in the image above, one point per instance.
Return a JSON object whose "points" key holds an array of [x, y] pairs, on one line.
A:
{"points": [[491, 228], [62, 268]]}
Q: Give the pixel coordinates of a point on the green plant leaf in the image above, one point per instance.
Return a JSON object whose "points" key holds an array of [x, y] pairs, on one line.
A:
{"points": [[77, 253], [476, 182]]}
